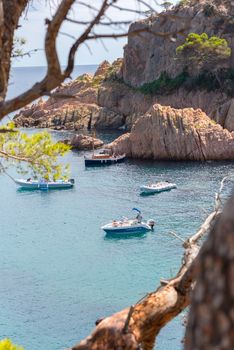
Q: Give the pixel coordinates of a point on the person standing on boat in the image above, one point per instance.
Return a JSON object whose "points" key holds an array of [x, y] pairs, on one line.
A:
{"points": [[139, 217]]}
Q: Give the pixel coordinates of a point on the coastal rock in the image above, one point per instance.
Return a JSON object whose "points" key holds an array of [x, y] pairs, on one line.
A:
{"points": [[112, 98], [176, 134], [69, 116], [131, 104], [75, 106], [108, 119], [102, 69], [84, 142]]}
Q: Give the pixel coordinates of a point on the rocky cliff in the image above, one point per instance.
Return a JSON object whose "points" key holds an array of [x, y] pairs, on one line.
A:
{"points": [[74, 106], [115, 96], [147, 56], [176, 134]]}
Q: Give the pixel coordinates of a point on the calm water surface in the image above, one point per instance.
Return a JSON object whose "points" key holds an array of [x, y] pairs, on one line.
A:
{"points": [[59, 272]]}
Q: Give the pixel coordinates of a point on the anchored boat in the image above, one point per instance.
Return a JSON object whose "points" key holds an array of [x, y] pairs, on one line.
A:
{"points": [[43, 184], [158, 187], [129, 226], [103, 159]]}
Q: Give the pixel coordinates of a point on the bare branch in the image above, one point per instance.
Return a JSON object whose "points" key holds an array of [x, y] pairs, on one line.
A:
{"points": [[84, 37], [23, 54], [54, 75], [139, 12], [110, 23], [139, 325]]}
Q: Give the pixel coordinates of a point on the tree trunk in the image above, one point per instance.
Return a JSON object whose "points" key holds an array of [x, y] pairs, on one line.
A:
{"points": [[211, 317], [10, 12]]}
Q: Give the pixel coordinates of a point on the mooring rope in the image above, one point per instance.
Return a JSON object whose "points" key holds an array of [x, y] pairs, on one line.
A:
{"points": [[5, 172]]}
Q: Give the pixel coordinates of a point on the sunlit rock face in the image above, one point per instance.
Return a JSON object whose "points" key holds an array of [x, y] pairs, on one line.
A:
{"points": [[75, 107], [176, 134]]}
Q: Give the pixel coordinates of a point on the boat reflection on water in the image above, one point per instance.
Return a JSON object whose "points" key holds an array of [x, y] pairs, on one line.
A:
{"points": [[120, 236]]}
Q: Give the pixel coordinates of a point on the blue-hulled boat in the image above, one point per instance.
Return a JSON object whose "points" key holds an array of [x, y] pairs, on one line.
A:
{"points": [[127, 227], [103, 159]]}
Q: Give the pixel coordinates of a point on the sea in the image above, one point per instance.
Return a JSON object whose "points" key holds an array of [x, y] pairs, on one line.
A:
{"points": [[59, 272]]}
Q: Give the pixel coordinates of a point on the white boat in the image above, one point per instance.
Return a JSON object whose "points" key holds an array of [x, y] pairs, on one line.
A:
{"points": [[127, 226], [44, 185], [158, 187]]}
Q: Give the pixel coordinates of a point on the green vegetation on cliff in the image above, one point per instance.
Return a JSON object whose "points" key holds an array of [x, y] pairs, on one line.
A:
{"points": [[206, 80], [164, 84], [203, 60], [200, 52]]}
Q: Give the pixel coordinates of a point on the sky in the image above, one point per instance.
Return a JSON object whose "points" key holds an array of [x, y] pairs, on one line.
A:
{"points": [[33, 29]]}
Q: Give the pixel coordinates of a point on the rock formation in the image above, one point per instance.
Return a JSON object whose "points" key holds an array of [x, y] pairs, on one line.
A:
{"points": [[84, 142], [74, 106], [176, 134], [112, 99]]}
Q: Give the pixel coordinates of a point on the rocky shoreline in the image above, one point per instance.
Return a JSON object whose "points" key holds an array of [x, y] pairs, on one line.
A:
{"points": [[113, 97]]}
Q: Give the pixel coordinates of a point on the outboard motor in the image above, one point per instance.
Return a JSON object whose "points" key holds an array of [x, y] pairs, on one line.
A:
{"points": [[72, 181], [151, 223]]}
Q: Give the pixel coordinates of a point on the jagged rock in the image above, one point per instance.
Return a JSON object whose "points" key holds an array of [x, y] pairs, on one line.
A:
{"points": [[84, 142], [176, 134], [102, 69]]}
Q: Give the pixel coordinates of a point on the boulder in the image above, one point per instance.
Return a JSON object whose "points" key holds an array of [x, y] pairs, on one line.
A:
{"points": [[84, 142]]}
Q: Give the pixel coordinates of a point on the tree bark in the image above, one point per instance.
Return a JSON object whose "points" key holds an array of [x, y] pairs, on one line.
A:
{"points": [[211, 317], [10, 12]]}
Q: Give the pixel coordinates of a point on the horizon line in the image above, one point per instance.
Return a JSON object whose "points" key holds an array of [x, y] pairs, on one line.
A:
{"points": [[76, 65]]}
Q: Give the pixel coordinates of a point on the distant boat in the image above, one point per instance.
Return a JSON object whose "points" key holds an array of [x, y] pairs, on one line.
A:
{"points": [[129, 226], [43, 184], [103, 159], [158, 187]]}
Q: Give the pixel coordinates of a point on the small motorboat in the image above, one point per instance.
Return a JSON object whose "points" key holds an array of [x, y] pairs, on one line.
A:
{"points": [[158, 187], [32, 184], [103, 158], [129, 226]]}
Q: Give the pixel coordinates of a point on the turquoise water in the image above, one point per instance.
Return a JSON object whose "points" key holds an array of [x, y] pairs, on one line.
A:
{"points": [[59, 272]]}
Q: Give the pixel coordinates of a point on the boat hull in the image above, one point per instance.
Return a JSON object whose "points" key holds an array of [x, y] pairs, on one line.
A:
{"points": [[126, 230], [152, 190], [35, 185], [102, 162]]}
